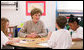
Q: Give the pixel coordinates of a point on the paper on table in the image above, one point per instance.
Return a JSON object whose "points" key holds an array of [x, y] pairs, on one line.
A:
{"points": [[73, 43], [21, 42], [44, 44]]}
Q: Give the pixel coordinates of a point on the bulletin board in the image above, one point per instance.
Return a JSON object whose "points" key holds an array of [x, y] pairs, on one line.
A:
{"points": [[35, 4]]}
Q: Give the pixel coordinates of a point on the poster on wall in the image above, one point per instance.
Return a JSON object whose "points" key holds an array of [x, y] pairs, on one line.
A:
{"points": [[35, 4]]}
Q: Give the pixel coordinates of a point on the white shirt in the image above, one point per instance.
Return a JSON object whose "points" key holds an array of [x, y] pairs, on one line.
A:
{"points": [[4, 39], [78, 33], [60, 39]]}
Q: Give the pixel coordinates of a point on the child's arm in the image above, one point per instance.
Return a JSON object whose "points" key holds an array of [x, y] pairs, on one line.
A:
{"points": [[13, 40], [49, 34], [77, 36], [76, 39], [9, 42]]}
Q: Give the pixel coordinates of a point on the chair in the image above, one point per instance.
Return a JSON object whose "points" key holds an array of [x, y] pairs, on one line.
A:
{"points": [[13, 31]]}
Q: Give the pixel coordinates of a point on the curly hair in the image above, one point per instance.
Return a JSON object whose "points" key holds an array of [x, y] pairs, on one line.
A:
{"points": [[71, 20]]}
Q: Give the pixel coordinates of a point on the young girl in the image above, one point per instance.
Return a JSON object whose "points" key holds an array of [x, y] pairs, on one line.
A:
{"points": [[4, 33], [78, 30], [61, 38]]}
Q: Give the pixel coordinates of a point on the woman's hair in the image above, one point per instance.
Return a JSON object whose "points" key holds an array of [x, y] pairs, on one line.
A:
{"points": [[3, 25], [61, 21], [35, 11]]}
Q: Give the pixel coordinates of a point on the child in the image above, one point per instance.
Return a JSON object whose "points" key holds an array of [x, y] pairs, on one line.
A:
{"points": [[61, 38], [4, 28], [78, 30]]}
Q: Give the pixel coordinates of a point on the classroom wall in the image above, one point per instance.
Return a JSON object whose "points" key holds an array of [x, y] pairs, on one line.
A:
{"points": [[70, 5], [17, 17]]}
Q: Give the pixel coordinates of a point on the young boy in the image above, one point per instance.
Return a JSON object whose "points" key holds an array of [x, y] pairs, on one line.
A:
{"points": [[61, 38], [78, 30]]}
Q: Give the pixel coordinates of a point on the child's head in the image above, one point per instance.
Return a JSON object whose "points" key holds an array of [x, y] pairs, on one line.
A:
{"points": [[61, 22], [73, 23], [4, 25]]}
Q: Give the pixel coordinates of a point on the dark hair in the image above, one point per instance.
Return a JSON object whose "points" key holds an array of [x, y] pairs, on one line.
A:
{"points": [[71, 20], [61, 21], [71, 16], [35, 11]]}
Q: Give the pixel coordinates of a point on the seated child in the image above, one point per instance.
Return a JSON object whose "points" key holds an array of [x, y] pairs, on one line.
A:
{"points": [[78, 30], [4, 39], [61, 38]]}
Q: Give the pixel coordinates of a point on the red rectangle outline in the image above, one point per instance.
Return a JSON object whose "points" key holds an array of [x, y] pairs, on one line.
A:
{"points": [[28, 14]]}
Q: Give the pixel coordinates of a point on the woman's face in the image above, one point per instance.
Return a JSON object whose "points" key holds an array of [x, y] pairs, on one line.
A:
{"points": [[7, 25], [36, 17]]}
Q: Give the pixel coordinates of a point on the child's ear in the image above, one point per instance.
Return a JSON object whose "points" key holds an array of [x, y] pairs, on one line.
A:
{"points": [[56, 25]]}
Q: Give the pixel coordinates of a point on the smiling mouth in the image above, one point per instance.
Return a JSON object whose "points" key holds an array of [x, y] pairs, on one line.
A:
{"points": [[37, 19]]}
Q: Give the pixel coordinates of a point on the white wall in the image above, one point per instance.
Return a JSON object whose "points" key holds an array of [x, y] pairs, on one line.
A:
{"points": [[70, 5], [17, 17], [50, 17]]}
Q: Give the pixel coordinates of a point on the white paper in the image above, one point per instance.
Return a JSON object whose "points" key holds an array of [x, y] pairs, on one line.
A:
{"points": [[21, 42], [73, 43], [44, 44]]}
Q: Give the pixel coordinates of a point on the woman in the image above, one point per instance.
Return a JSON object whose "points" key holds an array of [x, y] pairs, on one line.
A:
{"points": [[33, 28], [4, 28]]}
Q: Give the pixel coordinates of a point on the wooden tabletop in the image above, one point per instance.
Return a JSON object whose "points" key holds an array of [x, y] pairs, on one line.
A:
{"points": [[34, 43], [31, 44], [77, 45]]}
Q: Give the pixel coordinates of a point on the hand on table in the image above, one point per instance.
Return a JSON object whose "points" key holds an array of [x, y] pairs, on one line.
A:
{"points": [[16, 40], [32, 35]]}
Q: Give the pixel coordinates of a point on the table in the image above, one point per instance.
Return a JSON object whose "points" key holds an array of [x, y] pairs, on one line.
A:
{"points": [[77, 45], [34, 44], [30, 44]]}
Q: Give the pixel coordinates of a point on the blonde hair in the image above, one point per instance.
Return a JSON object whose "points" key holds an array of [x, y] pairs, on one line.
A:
{"points": [[3, 25]]}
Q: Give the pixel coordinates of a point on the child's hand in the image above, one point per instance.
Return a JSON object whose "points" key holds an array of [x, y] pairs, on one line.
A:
{"points": [[13, 40], [9, 42], [16, 40], [49, 34]]}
